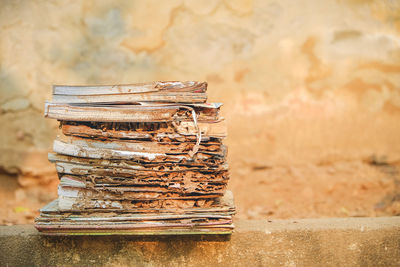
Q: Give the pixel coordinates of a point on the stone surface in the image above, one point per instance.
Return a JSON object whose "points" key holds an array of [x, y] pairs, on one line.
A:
{"points": [[309, 242]]}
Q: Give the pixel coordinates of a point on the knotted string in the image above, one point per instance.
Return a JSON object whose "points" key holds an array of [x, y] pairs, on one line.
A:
{"points": [[198, 134]]}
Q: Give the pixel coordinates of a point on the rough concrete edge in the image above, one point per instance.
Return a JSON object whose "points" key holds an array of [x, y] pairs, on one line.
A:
{"points": [[351, 223], [269, 226]]}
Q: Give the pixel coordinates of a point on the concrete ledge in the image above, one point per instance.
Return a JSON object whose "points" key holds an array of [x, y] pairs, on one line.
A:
{"points": [[309, 242]]}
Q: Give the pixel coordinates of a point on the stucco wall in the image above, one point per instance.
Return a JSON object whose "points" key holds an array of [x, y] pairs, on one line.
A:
{"points": [[302, 81]]}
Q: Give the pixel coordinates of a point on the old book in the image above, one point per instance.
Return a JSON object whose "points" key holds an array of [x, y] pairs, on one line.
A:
{"points": [[81, 195], [141, 166], [218, 205], [183, 92], [175, 182], [172, 131], [137, 88], [99, 152], [131, 113], [141, 146], [125, 171], [214, 219]]}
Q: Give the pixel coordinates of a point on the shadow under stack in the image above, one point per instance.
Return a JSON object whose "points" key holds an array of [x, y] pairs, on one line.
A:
{"points": [[138, 159]]}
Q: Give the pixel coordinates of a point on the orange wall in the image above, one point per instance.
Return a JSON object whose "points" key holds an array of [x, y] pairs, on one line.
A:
{"points": [[302, 81]]}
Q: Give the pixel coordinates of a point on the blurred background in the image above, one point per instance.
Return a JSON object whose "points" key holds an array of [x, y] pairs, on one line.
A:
{"points": [[311, 93]]}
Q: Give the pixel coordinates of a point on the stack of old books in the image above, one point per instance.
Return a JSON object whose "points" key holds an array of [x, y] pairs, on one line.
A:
{"points": [[138, 159]]}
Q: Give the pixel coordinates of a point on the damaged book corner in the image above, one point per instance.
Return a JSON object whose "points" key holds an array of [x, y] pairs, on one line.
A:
{"points": [[139, 159]]}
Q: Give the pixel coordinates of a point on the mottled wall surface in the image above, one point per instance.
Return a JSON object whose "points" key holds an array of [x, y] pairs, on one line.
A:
{"points": [[302, 81]]}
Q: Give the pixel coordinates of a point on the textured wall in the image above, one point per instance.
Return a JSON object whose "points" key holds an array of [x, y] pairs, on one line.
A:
{"points": [[302, 81]]}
